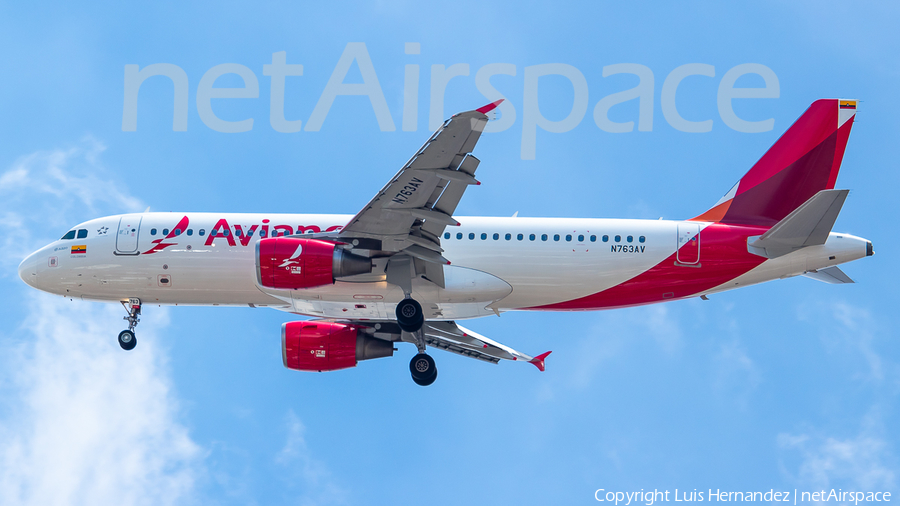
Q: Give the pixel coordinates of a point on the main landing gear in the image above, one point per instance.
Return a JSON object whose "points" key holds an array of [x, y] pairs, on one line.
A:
{"points": [[423, 370], [411, 319], [127, 340], [409, 315]]}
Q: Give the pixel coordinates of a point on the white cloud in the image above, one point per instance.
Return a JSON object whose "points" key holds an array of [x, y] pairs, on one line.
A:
{"points": [[89, 423], [311, 479], [848, 331], [619, 329], [45, 192], [81, 422], [863, 462]]}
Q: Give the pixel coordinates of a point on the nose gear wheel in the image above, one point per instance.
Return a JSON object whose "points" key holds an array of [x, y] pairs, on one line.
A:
{"points": [[127, 339]]}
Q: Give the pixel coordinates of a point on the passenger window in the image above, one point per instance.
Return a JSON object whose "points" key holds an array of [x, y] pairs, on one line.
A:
{"points": [[261, 234], [69, 235], [483, 236], [531, 237], [508, 236], [520, 237], [568, 237], [555, 237], [496, 236], [152, 231], [629, 238], [177, 231], [202, 232], [249, 233], [82, 233], [605, 238], [471, 236], [543, 237], [580, 238], [213, 232], [641, 239], [593, 238], [459, 235], [165, 231], [237, 232], [447, 235], [618, 238], [190, 231]]}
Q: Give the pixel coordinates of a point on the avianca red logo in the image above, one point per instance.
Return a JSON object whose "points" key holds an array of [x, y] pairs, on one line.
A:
{"points": [[222, 230], [241, 233], [160, 244]]}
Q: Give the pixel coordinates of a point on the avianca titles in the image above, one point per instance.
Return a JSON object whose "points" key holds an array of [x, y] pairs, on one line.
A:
{"points": [[404, 268]]}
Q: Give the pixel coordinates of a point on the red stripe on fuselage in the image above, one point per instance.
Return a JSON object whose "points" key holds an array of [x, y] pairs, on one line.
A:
{"points": [[723, 257]]}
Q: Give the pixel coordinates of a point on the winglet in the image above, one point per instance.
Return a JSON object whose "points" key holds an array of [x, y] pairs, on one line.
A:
{"points": [[490, 107], [538, 361]]}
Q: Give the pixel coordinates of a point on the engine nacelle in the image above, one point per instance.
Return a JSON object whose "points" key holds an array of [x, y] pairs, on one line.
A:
{"points": [[292, 263], [328, 346]]}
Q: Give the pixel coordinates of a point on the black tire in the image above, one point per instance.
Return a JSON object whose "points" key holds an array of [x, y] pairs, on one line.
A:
{"points": [[127, 340], [409, 315], [423, 369], [428, 381]]}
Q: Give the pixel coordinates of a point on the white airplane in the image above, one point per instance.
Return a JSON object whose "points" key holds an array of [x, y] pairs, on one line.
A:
{"points": [[405, 269]]}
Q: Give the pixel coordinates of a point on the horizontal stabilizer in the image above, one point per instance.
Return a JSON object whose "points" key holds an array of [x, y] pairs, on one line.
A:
{"points": [[808, 225], [831, 275]]}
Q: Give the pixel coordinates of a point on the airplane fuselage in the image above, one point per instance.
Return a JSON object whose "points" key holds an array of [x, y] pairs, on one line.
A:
{"points": [[499, 264]]}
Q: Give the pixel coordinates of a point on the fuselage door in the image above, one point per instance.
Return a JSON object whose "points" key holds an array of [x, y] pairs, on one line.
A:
{"points": [[127, 237], [688, 244]]}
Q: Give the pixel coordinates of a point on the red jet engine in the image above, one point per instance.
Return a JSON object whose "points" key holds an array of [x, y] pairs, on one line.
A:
{"points": [[328, 346], [292, 263]]}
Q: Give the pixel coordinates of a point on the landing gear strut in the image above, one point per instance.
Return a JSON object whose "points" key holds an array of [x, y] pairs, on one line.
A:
{"points": [[127, 340], [422, 366]]}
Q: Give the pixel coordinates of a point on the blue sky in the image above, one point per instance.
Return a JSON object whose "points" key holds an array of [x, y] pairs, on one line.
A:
{"points": [[789, 385]]}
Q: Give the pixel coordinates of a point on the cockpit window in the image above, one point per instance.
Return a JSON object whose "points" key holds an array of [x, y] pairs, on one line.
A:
{"points": [[82, 233], [69, 235]]}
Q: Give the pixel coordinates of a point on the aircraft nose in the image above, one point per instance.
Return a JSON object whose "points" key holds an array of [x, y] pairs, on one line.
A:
{"points": [[28, 270]]}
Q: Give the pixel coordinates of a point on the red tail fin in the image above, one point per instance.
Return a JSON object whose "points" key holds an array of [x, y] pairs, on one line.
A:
{"points": [[804, 161]]}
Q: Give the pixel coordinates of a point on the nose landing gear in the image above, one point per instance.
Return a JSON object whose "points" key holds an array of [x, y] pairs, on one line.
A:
{"points": [[127, 340]]}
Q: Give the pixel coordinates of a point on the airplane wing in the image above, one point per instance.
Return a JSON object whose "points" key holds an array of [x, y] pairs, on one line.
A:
{"points": [[410, 213], [448, 336]]}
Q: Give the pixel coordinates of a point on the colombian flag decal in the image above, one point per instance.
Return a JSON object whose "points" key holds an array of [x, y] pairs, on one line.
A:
{"points": [[79, 250], [848, 104]]}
